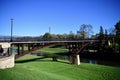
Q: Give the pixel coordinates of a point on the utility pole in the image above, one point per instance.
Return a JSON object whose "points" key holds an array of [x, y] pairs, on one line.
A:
{"points": [[11, 29], [49, 29]]}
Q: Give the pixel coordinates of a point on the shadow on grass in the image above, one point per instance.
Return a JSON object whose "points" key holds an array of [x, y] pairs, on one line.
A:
{"points": [[63, 62], [29, 60], [40, 60]]}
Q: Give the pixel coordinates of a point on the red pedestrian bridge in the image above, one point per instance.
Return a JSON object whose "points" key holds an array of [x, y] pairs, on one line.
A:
{"points": [[74, 47]]}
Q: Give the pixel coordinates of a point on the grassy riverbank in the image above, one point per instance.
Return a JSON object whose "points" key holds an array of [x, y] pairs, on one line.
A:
{"points": [[30, 67]]}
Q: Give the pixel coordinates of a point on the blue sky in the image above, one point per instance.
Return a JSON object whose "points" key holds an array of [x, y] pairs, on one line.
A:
{"points": [[34, 17]]}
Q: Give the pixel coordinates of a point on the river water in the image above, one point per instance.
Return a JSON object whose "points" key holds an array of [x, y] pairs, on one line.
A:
{"points": [[90, 61], [101, 62]]}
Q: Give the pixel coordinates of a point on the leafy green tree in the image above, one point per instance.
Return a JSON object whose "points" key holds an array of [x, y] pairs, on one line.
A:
{"points": [[101, 37], [106, 34], [101, 34], [54, 37], [47, 36], [60, 36], [117, 28]]}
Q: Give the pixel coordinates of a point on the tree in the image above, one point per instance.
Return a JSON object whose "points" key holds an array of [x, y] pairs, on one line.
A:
{"points": [[112, 31], [60, 36], [112, 35], [106, 34], [85, 31], [71, 36], [117, 28], [65, 36], [54, 37], [101, 34], [47, 36]]}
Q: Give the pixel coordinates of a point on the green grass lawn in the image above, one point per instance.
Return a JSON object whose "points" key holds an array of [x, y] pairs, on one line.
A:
{"points": [[52, 50], [30, 67]]}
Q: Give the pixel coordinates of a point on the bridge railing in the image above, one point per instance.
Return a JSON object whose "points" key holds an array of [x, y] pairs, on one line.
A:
{"points": [[54, 41]]}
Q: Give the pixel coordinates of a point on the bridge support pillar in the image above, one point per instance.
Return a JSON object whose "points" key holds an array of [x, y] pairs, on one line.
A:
{"points": [[18, 49], [77, 59]]}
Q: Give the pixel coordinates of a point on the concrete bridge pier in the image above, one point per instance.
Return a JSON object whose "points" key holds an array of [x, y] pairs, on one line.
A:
{"points": [[75, 59], [74, 51], [74, 56]]}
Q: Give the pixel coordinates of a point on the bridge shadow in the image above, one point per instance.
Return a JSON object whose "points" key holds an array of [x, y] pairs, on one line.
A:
{"points": [[29, 60], [40, 60], [63, 62]]}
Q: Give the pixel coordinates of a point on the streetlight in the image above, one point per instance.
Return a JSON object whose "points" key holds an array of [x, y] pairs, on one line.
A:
{"points": [[11, 29]]}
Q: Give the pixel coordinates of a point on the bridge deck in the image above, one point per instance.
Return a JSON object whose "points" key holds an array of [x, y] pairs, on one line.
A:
{"points": [[55, 41]]}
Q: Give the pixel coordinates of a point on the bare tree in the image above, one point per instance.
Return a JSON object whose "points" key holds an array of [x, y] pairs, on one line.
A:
{"points": [[85, 31], [71, 36], [112, 31]]}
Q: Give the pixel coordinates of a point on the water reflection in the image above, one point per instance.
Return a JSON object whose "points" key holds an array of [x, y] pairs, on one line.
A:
{"points": [[101, 62], [92, 61], [89, 61], [14, 50]]}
